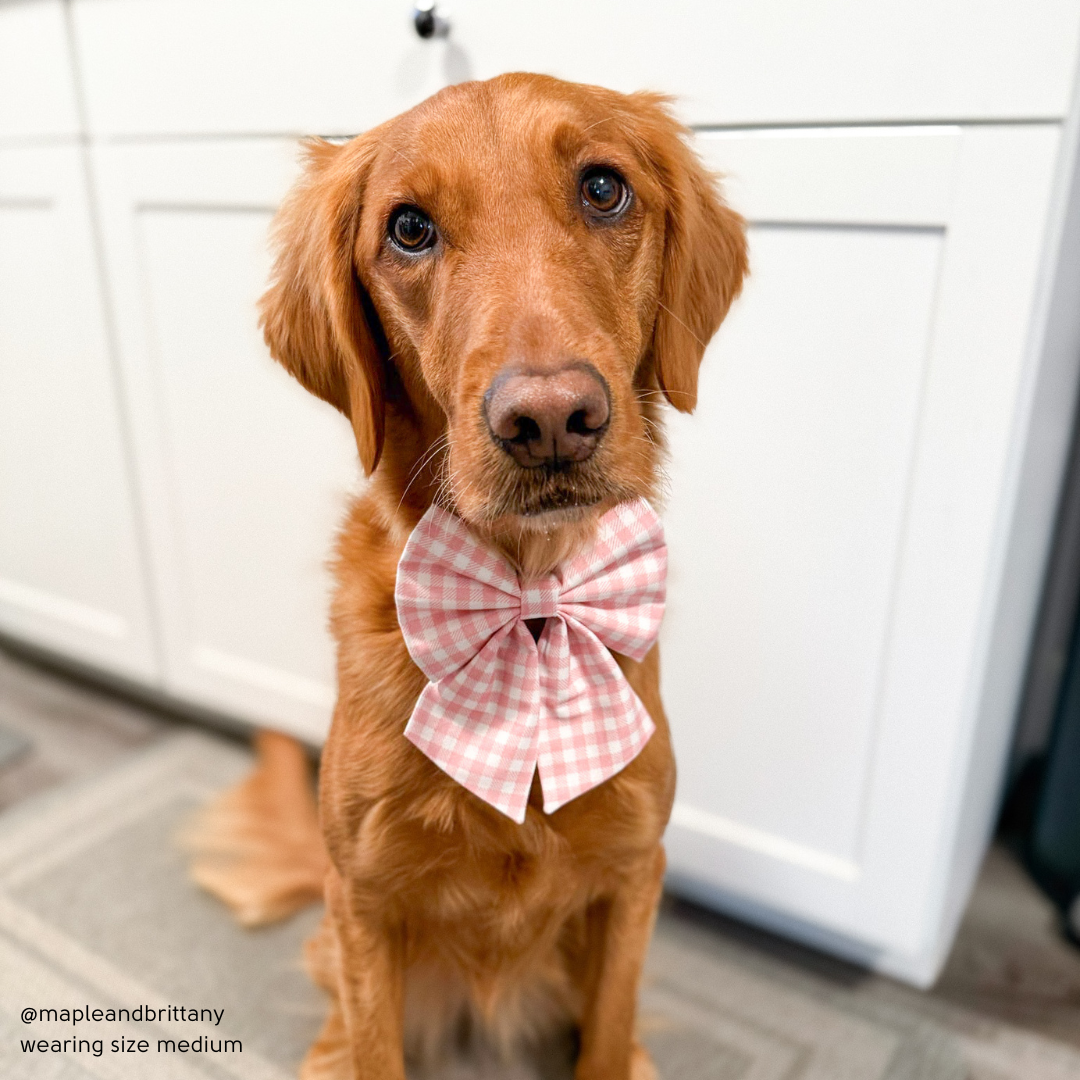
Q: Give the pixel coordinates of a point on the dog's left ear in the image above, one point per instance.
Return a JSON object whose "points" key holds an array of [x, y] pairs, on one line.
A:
{"points": [[316, 316], [704, 260]]}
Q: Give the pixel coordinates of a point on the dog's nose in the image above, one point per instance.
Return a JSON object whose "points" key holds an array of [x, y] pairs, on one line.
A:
{"points": [[546, 418]]}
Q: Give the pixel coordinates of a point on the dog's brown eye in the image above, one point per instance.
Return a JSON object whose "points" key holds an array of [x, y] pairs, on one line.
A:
{"points": [[411, 229], [604, 190]]}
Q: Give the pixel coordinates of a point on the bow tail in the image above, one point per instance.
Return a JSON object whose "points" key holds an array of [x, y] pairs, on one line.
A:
{"points": [[592, 723], [479, 725]]}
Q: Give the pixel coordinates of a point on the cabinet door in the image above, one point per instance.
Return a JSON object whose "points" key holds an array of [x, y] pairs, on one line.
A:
{"points": [[839, 506], [245, 473], [72, 576], [37, 84]]}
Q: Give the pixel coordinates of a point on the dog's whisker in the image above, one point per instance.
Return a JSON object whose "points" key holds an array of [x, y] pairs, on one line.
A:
{"points": [[661, 395], [452, 489], [441, 443]]}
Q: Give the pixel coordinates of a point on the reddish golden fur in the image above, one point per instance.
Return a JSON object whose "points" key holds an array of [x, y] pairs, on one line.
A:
{"points": [[437, 905], [254, 843]]}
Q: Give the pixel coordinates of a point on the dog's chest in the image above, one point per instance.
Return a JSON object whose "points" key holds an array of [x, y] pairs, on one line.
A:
{"points": [[504, 905]]}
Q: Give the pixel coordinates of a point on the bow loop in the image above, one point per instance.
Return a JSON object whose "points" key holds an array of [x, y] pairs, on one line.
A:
{"points": [[501, 706], [617, 587], [452, 594]]}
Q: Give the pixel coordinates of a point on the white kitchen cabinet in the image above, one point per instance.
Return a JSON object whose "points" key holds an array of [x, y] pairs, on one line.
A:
{"points": [[244, 475], [72, 577], [839, 503], [37, 81], [859, 512], [340, 66]]}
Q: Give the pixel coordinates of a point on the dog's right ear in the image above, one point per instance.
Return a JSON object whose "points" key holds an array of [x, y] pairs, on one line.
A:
{"points": [[314, 316]]}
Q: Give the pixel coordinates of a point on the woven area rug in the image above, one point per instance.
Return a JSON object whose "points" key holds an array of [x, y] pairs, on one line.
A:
{"points": [[12, 745], [96, 912]]}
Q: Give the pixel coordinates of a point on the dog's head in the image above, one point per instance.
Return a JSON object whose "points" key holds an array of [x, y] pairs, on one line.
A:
{"points": [[495, 288]]}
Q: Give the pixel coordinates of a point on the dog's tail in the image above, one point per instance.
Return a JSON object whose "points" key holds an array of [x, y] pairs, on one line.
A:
{"points": [[258, 846]]}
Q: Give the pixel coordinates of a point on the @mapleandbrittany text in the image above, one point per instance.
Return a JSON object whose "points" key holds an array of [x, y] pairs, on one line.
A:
{"points": [[166, 1039]]}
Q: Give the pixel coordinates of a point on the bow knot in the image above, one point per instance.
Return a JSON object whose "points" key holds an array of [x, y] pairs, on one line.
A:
{"points": [[540, 599], [500, 706]]}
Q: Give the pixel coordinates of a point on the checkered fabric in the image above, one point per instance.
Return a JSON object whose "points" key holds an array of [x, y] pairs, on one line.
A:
{"points": [[500, 705]]}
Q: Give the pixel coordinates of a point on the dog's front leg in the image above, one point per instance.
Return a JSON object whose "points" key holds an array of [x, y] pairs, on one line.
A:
{"points": [[370, 982], [618, 938]]}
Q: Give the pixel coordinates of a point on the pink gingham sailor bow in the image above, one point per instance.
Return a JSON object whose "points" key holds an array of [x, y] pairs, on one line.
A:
{"points": [[501, 705]]}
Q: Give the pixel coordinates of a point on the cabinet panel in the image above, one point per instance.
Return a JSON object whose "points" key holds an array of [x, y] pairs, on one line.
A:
{"points": [[37, 85], [340, 66], [71, 571], [246, 473], [840, 61], [835, 519], [790, 487], [264, 66]]}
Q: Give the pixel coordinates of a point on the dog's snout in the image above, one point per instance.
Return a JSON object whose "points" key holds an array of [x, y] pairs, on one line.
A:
{"points": [[550, 417]]}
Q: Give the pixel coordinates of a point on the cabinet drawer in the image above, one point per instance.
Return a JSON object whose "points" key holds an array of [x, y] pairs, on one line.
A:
{"points": [[339, 66], [37, 91]]}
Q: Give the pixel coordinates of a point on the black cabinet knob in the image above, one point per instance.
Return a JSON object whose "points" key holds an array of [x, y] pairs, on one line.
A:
{"points": [[428, 22]]}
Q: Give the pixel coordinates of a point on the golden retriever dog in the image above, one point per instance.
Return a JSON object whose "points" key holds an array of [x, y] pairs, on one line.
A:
{"points": [[500, 289]]}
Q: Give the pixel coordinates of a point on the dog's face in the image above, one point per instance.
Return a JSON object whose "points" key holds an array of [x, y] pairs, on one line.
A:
{"points": [[498, 284]]}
